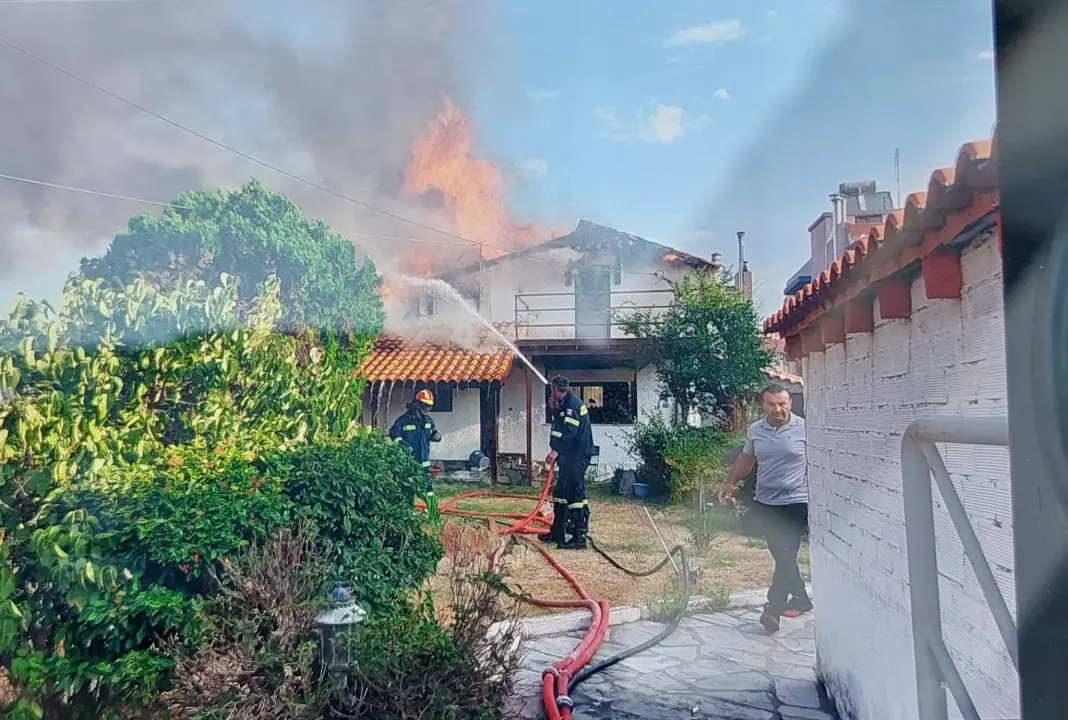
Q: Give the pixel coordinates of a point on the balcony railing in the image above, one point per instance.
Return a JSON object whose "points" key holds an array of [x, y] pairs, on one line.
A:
{"points": [[594, 316]]}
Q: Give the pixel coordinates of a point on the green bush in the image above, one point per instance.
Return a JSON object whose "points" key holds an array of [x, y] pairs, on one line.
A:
{"points": [[135, 429], [649, 441], [357, 495], [409, 665], [674, 461]]}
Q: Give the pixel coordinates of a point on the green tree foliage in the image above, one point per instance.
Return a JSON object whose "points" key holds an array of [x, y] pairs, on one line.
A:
{"points": [[251, 233], [707, 347], [146, 436]]}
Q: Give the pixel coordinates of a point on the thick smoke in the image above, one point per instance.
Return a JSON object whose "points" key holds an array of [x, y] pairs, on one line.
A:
{"points": [[331, 90]]}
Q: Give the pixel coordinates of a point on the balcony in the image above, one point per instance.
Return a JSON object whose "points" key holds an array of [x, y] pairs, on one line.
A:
{"points": [[584, 316]]}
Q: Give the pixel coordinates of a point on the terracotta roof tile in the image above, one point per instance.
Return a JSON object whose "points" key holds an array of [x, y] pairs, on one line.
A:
{"points": [[395, 360], [968, 187], [784, 376]]}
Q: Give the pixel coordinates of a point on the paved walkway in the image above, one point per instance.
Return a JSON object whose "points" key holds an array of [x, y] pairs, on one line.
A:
{"points": [[715, 667]]}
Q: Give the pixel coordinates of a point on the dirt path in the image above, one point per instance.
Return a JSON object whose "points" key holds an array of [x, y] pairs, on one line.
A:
{"points": [[732, 563]]}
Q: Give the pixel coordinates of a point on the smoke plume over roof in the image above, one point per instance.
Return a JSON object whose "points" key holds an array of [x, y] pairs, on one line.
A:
{"points": [[332, 90]]}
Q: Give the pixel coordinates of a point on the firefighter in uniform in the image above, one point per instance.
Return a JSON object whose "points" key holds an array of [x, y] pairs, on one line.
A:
{"points": [[572, 447], [415, 429]]}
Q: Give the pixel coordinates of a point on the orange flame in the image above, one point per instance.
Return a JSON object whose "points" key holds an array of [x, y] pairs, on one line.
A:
{"points": [[470, 187]]}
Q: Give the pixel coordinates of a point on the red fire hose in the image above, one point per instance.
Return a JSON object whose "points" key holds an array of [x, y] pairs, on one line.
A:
{"points": [[556, 679]]}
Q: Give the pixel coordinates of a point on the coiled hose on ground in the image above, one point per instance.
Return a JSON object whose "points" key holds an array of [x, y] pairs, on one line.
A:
{"points": [[559, 680]]}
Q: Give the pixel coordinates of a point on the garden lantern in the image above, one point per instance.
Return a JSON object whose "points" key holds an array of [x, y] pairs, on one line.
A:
{"points": [[334, 622]]}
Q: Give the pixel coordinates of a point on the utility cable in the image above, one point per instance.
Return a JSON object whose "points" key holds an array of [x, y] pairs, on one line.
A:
{"points": [[242, 154], [86, 191], [251, 158], [672, 625], [130, 198]]}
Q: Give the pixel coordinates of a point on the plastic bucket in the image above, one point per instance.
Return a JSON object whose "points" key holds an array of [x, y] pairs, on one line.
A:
{"points": [[641, 490]]}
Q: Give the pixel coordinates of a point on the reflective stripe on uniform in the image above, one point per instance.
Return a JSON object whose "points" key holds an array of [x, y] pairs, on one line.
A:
{"points": [[560, 501], [426, 463], [577, 505], [427, 426], [410, 428], [557, 433], [572, 421], [583, 410], [396, 440]]}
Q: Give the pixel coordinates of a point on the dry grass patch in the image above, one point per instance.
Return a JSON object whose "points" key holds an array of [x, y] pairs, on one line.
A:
{"points": [[621, 527]]}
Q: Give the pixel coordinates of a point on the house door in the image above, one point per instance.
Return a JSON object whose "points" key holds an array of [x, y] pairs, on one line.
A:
{"points": [[593, 303]]}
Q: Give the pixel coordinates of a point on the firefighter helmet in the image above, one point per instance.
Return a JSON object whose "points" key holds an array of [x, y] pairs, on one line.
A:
{"points": [[426, 397]]}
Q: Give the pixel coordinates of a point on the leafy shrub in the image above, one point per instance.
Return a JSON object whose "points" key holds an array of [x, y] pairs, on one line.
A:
{"points": [[357, 497], [649, 441], [695, 455], [409, 664], [135, 429], [675, 461]]}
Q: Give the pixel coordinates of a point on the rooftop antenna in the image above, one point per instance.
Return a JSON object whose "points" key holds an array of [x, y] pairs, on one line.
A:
{"points": [[897, 173]]}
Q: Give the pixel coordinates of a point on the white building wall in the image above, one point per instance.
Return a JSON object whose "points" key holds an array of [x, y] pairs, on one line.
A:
{"points": [[546, 273], [947, 359], [611, 439]]}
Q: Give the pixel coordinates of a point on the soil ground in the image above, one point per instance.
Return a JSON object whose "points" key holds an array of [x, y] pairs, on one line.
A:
{"points": [[621, 527]]}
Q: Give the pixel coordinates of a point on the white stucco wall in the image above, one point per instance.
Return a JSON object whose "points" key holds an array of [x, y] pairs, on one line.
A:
{"points": [[947, 359], [612, 439]]}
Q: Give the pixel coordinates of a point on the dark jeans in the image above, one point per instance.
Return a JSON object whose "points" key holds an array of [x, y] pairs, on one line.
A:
{"points": [[783, 526], [571, 507]]}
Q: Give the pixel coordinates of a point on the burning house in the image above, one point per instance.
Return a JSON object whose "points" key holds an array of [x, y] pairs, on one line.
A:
{"points": [[558, 303]]}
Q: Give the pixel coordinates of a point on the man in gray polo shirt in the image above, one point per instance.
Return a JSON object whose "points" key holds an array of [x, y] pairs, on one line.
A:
{"points": [[776, 445]]}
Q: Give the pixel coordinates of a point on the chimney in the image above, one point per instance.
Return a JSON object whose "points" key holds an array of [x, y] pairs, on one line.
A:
{"points": [[839, 206], [741, 260], [717, 259]]}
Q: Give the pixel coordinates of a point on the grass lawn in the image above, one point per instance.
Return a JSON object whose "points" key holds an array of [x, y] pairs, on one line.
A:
{"points": [[620, 526]]}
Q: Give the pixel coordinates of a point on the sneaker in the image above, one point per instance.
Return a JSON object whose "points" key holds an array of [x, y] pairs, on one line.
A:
{"points": [[770, 621], [797, 608]]}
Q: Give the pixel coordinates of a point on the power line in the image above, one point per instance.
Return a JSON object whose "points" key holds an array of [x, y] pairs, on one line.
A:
{"points": [[253, 159], [129, 198], [224, 146], [86, 191]]}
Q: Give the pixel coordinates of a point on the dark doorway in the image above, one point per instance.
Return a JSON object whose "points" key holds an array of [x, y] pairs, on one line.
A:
{"points": [[489, 412]]}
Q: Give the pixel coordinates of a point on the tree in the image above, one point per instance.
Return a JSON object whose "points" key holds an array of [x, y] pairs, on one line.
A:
{"points": [[706, 347], [251, 233]]}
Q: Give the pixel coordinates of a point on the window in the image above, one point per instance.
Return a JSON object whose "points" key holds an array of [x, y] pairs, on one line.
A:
{"points": [[442, 395], [609, 403]]}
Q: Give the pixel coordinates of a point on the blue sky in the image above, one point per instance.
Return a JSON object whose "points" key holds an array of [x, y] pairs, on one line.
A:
{"points": [[686, 121]]}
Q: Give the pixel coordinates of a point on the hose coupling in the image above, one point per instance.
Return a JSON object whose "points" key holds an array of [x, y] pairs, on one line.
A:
{"points": [[551, 671], [564, 702]]}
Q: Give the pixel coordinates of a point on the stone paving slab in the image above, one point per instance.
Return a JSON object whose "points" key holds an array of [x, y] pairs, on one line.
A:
{"points": [[714, 667]]}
